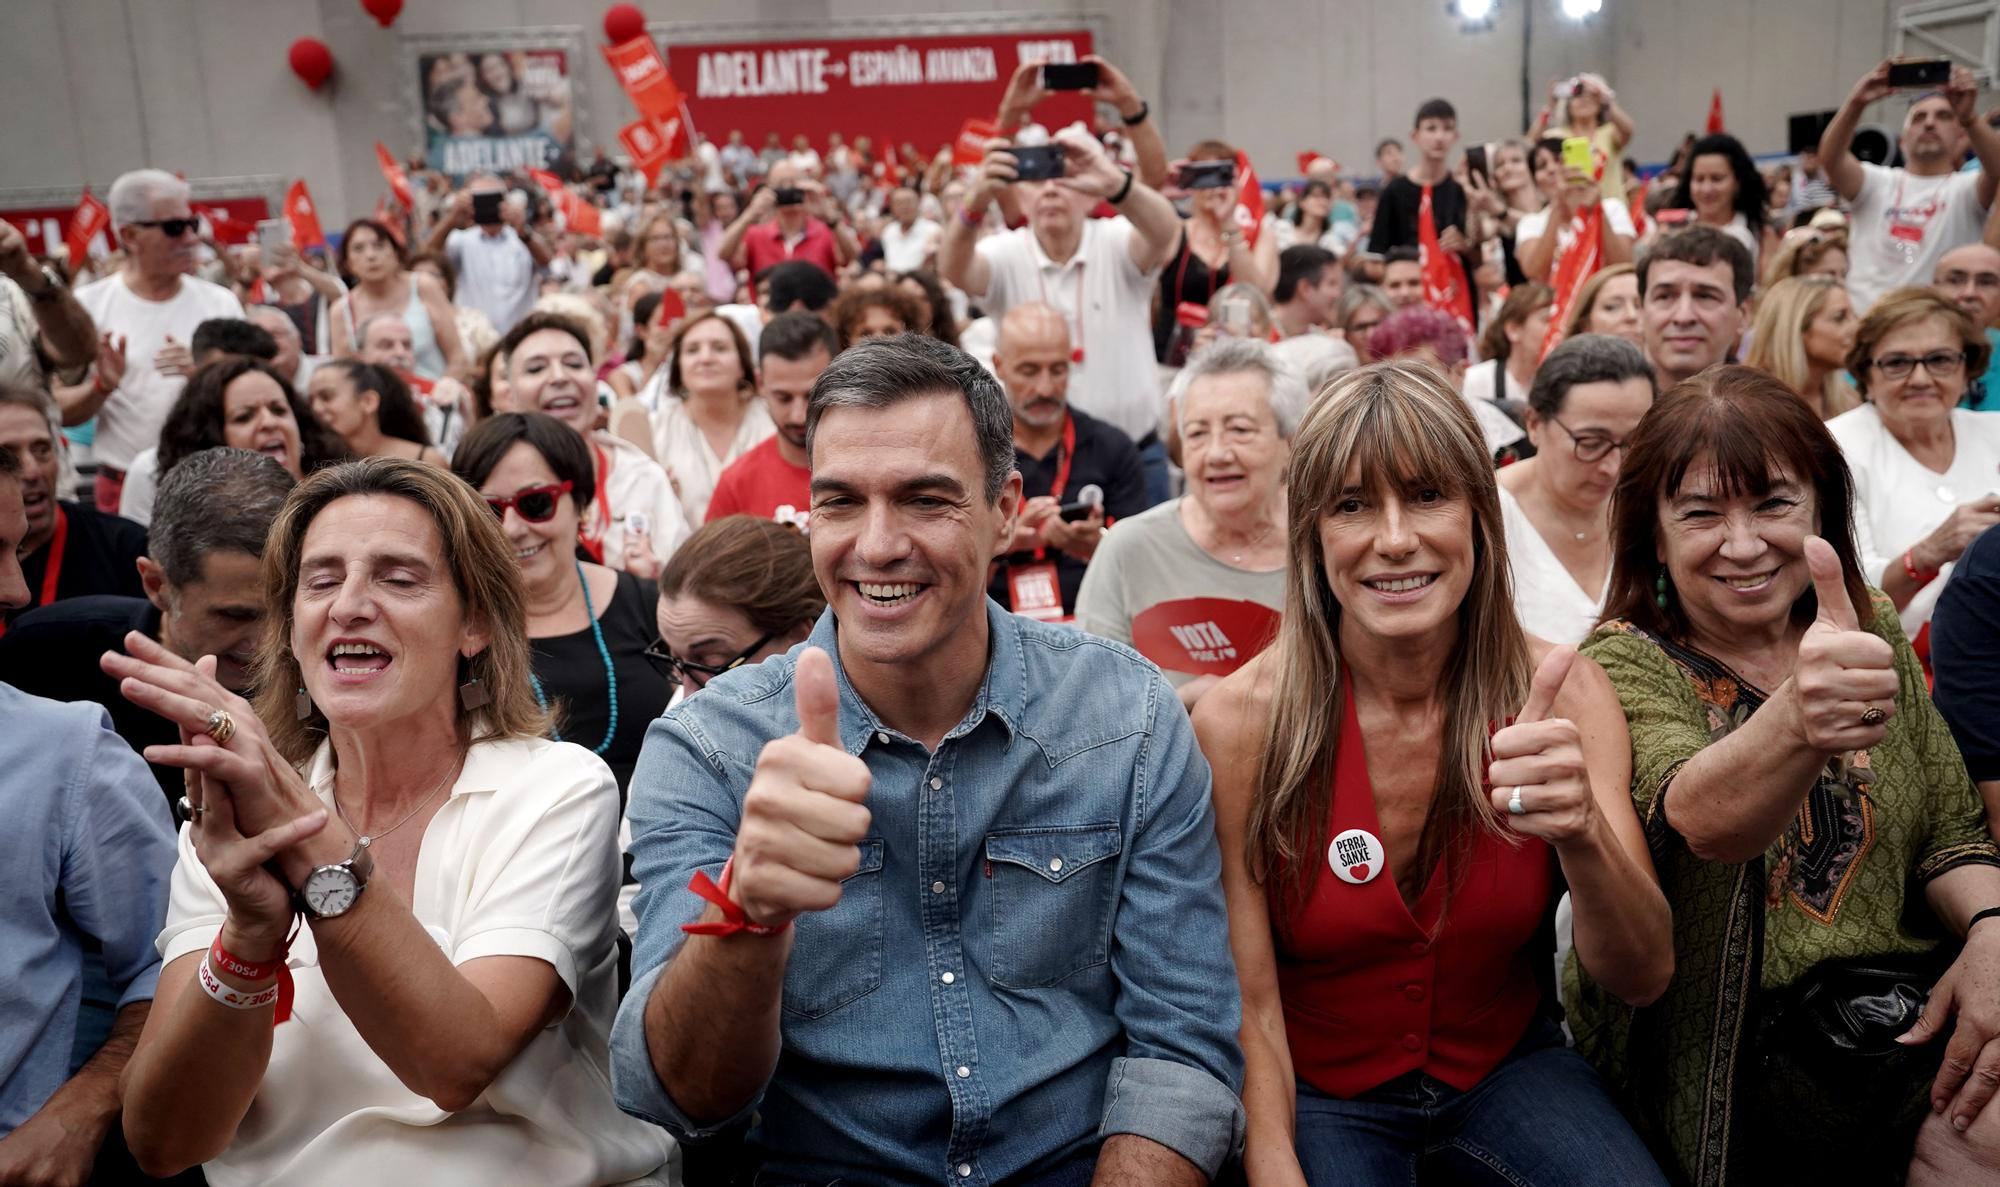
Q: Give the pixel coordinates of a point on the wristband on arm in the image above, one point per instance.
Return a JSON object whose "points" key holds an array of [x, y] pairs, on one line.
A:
{"points": [[733, 920], [1922, 577]]}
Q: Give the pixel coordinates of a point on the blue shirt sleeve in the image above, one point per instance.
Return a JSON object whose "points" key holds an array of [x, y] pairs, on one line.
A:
{"points": [[1965, 655], [1178, 1002], [118, 859]]}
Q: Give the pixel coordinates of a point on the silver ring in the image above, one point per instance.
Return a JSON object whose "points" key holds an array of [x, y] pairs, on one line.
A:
{"points": [[220, 726], [190, 811], [1514, 804], [1874, 715]]}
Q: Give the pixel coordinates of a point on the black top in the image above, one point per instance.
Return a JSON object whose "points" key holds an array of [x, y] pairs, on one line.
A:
{"points": [[1105, 457], [1965, 655], [572, 676], [1186, 277], [100, 556], [52, 652]]}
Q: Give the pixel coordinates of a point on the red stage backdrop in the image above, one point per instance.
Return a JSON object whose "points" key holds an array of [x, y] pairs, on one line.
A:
{"points": [[45, 227], [917, 89]]}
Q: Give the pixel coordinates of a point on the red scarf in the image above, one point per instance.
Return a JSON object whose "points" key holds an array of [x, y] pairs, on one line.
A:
{"points": [[1445, 285], [1574, 265]]}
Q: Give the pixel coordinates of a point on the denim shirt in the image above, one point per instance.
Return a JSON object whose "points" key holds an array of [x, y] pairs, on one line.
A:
{"points": [[1033, 955]]}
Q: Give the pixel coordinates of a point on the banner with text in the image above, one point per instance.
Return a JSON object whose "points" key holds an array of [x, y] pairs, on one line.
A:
{"points": [[499, 111], [916, 89]]}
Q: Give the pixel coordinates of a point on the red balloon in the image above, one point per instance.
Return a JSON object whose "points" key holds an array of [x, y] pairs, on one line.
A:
{"points": [[312, 61], [384, 11], [623, 23]]}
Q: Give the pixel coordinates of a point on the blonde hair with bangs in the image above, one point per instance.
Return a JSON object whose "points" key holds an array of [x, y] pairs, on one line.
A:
{"points": [[1401, 425]]}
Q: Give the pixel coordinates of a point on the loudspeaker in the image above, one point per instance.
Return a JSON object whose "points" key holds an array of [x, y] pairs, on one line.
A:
{"points": [[1804, 128]]}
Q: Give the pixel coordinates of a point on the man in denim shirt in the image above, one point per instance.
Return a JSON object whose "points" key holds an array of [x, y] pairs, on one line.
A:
{"points": [[985, 844]]}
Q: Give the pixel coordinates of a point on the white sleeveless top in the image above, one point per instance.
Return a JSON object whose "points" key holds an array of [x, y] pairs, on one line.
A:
{"points": [[1547, 600]]}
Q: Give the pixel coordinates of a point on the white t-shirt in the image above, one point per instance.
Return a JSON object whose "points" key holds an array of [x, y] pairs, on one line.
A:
{"points": [[636, 483], [1902, 223], [521, 860], [1534, 226], [906, 251], [142, 486], [1898, 501], [683, 448], [496, 273], [1547, 600], [131, 418], [19, 332], [1107, 303]]}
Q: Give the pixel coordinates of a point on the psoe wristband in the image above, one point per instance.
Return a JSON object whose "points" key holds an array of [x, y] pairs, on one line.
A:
{"points": [[235, 999]]}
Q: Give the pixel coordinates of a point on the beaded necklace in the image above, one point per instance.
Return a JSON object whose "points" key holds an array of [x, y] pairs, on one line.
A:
{"points": [[610, 673]]}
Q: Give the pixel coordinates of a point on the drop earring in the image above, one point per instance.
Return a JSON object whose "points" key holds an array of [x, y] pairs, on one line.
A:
{"points": [[472, 695], [302, 704], [1660, 590]]}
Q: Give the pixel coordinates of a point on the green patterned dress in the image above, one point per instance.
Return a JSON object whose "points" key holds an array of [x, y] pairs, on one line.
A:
{"points": [[1719, 1105]]}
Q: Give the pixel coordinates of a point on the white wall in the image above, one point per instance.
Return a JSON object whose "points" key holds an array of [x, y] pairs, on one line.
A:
{"points": [[93, 87]]}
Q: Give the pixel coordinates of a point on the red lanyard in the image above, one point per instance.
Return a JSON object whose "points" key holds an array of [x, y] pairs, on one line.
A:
{"points": [[1076, 348], [593, 541], [1065, 454], [53, 573]]}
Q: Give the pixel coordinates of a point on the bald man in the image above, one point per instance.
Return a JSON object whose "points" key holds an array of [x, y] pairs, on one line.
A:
{"points": [[1969, 277], [1063, 455]]}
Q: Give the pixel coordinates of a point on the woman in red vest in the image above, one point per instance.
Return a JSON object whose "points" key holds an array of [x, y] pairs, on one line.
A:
{"points": [[1404, 784]]}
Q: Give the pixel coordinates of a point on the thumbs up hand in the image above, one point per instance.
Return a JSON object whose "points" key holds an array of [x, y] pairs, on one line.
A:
{"points": [[804, 815], [1845, 681], [1539, 759]]}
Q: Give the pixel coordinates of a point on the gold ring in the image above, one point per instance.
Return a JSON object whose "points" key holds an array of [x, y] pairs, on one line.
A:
{"points": [[221, 726], [1874, 716]]}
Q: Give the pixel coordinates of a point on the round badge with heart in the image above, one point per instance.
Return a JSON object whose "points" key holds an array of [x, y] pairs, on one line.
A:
{"points": [[1356, 856]]}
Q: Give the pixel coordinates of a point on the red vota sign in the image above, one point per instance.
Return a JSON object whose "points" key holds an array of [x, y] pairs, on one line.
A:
{"points": [[919, 89]]}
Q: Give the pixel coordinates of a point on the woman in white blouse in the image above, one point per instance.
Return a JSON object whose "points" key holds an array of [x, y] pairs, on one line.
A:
{"points": [[389, 953], [1587, 398], [1570, 194], [708, 411], [1926, 472]]}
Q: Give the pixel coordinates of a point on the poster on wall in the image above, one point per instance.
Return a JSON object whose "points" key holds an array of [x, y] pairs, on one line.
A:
{"points": [[919, 90], [498, 110]]}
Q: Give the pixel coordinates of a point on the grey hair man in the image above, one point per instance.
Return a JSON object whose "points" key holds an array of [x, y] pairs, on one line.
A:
{"points": [[938, 783], [146, 314]]}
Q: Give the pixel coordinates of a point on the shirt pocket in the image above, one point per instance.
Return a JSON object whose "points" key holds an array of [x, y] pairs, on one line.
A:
{"points": [[1053, 891], [837, 953]]}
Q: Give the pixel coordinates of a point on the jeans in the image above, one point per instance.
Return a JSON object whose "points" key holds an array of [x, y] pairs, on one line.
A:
{"points": [[1540, 1119], [1153, 462]]}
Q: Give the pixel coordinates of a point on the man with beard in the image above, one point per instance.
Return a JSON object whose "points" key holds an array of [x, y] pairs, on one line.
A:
{"points": [[1904, 220], [771, 480], [204, 595], [1061, 453]]}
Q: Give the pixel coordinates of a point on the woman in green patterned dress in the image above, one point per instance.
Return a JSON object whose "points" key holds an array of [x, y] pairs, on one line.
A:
{"points": [[1813, 826]]}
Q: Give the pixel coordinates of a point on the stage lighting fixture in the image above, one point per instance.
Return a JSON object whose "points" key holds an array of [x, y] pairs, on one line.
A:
{"points": [[1473, 13], [1576, 10]]}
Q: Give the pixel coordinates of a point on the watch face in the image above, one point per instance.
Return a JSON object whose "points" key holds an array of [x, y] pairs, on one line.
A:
{"points": [[330, 891]]}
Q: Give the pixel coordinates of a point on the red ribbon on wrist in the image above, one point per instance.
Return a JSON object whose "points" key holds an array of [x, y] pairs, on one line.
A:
{"points": [[733, 918]]}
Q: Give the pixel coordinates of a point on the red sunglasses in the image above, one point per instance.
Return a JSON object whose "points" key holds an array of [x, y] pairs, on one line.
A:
{"points": [[536, 504]]}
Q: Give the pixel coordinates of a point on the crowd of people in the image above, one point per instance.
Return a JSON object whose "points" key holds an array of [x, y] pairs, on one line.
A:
{"points": [[1025, 673]]}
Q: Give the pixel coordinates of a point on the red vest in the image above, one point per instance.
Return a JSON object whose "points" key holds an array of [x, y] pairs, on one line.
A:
{"points": [[1369, 995]]}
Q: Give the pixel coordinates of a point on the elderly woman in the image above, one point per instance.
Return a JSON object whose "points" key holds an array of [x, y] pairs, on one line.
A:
{"points": [[1804, 329], [1926, 472], [738, 592], [1222, 544], [384, 283], [371, 409], [635, 522], [707, 413], [589, 625], [1815, 831], [1608, 303], [245, 404], [1588, 397], [1404, 783], [390, 941]]}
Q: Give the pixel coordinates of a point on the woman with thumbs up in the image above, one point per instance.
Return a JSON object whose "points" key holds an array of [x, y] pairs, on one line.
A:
{"points": [[1815, 831], [1392, 863]]}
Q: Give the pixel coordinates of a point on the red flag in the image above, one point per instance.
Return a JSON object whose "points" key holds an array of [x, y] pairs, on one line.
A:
{"points": [[1306, 160], [970, 147], [1445, 286], [388, 220], [1637, 205], [91, 217], [1574, 265], [304, 217], [643, 73], [1249, 200], [222, 227], [1715, 112], [392, 172], [647, 144]]}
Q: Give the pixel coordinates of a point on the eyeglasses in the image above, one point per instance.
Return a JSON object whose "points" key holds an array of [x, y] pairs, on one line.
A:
{"points": [[536, 504], [1589, 447], [686, 670], [1942, 364], [172, 228]]}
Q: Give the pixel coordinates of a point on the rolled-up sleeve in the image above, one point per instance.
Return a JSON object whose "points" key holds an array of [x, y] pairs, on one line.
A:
{"points": [[686, 804], [118, 858], [1177, 992]]}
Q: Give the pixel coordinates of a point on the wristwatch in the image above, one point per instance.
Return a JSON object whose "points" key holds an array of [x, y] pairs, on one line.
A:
{"points": [[331, 891]]}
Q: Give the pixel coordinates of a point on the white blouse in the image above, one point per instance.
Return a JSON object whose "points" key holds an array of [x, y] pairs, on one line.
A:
{"points": [[522, 860], [633, 488], [684, 450], [1898, 501], [1547, 600]]}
